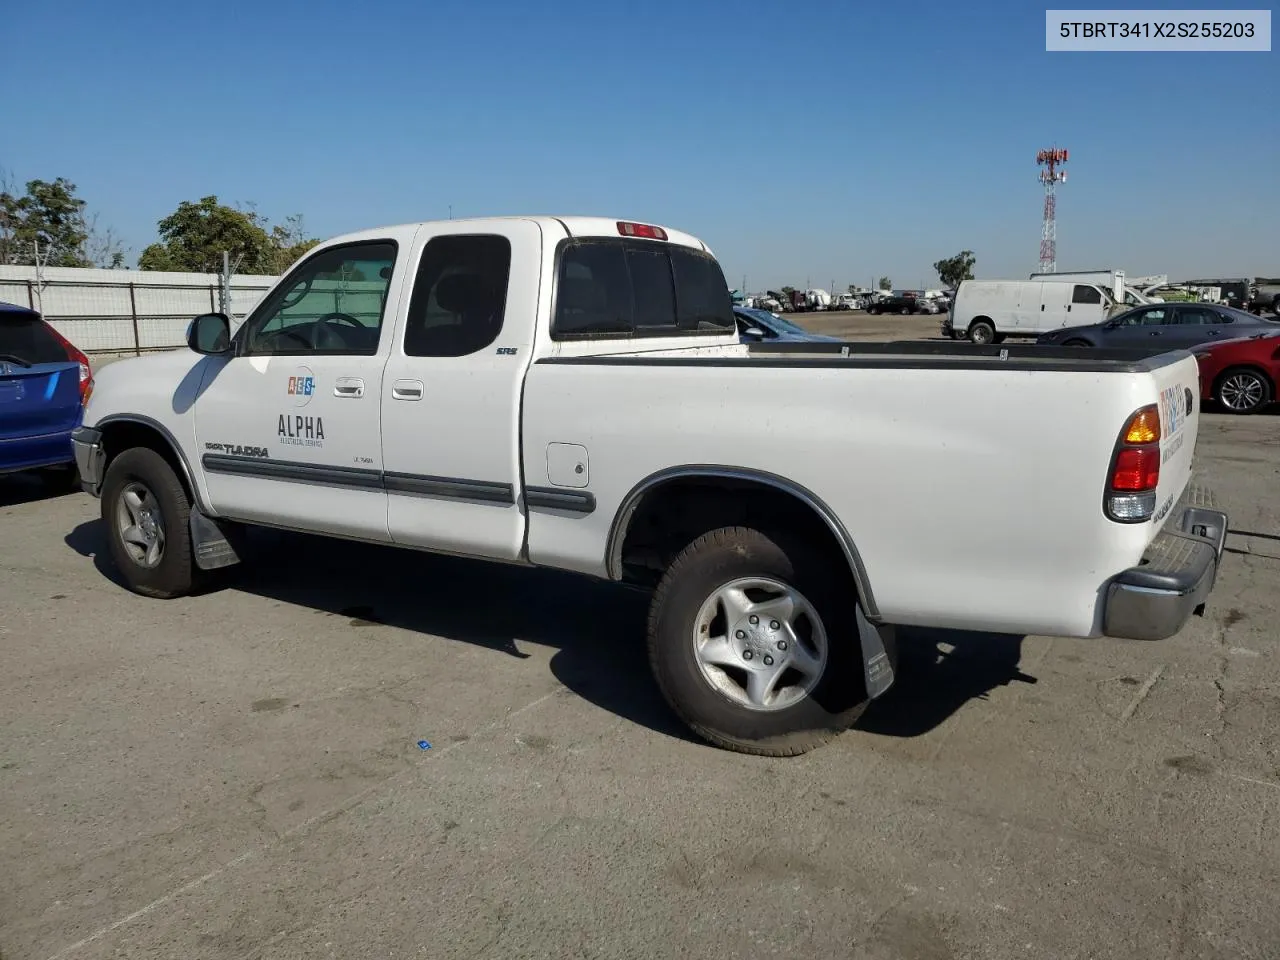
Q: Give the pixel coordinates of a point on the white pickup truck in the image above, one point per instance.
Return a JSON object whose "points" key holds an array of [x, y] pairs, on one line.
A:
{"points": [[571, 393]]}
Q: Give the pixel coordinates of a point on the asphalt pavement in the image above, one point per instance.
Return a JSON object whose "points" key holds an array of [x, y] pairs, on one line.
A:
{"points": [[240, 774]]}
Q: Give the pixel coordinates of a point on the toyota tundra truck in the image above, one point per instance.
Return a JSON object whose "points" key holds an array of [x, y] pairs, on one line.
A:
{"points": [[570, 393]]}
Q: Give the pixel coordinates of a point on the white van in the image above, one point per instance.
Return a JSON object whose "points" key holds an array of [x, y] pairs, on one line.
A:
{"points": [[987, 311]]}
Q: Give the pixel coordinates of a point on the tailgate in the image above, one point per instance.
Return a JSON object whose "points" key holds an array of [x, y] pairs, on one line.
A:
{"points": [[1178, 386], [38, 400]]}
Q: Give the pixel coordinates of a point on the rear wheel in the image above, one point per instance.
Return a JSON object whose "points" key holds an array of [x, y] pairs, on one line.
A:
{"points": [[904, 311], [146, 513], [981, 332], [1243, 391], [753, 643]]}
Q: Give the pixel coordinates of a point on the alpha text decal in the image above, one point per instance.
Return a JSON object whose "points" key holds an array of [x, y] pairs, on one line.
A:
{"points": [[300, 431]]}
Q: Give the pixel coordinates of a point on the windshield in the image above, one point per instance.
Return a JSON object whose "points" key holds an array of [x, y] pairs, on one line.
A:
{"points": [[772, 320]]}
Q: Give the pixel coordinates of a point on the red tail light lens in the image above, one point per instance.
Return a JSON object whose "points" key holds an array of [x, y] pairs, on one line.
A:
{"points": [[642, 230], [75, 355], [1137, 469]]}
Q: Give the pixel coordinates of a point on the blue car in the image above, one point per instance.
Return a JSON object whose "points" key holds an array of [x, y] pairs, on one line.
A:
{"points": [[761, 326], [44, 383]]}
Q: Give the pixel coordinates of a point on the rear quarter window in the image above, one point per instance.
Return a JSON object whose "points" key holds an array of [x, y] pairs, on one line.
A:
{"points": [[637, 288]]}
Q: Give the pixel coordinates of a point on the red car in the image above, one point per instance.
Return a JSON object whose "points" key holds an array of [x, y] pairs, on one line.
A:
{"points": [[1240, 374]]}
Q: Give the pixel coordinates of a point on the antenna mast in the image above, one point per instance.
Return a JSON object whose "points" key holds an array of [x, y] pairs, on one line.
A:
{"points": [[1050, 175]]}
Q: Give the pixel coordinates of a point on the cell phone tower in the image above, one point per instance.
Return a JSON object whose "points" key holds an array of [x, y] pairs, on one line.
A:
{"points": [[1049, 160]]}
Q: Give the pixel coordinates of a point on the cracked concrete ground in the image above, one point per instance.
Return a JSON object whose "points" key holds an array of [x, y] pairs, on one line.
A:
{"points": [[238, 775]]}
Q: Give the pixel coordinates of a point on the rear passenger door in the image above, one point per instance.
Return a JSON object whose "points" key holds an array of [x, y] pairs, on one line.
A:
{"points": [[451, 390], [1195, 324]]}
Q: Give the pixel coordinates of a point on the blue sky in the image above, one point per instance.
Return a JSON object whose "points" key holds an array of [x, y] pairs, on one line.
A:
{"points": [[805, 141]]}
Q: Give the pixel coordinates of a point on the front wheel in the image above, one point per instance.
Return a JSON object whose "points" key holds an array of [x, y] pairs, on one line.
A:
{"points": [[146, 512], [753, 643], [1077, 342], [982, 333], [1243, 391]]}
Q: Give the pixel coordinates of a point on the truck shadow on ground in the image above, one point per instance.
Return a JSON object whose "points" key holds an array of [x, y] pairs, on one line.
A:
{"points": [[597, 629], [939, 671]]}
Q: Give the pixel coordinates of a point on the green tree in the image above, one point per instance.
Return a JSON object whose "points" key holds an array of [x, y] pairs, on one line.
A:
{"points": [[195, 235], [885, 283], [955, 269], [48, 215]]}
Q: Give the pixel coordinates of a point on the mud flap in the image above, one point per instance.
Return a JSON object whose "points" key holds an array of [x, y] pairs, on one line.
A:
{"points": [[879, 654], [212, 548]]}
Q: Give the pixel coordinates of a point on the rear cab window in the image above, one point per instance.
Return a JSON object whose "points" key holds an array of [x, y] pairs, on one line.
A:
{"points": [[609, 288]]}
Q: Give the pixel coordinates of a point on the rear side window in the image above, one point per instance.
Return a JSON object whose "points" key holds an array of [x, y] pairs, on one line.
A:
{"points": [[621, 288], [459, 296], [1084, 294], [25, 337]]}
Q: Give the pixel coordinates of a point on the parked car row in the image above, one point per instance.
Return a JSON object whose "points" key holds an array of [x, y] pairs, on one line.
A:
{"points": [[1238, 351]]}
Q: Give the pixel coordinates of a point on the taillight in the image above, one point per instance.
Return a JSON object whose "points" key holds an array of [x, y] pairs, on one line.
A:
{"points": [[1135, 469], [75, 355], [643, 230]]}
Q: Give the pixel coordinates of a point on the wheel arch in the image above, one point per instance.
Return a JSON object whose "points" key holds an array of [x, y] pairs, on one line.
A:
{"points": [[676, 481], [123, 431]]}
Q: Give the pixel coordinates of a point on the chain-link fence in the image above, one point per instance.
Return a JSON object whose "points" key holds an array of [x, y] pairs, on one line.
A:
{"points": [[125, 312]]}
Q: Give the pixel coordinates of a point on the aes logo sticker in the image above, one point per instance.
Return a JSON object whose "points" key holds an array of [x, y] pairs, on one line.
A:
{"points": [[301, 386]]}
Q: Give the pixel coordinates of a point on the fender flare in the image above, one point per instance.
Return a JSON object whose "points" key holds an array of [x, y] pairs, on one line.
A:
{"points": [[627, 509], [167, 435]]}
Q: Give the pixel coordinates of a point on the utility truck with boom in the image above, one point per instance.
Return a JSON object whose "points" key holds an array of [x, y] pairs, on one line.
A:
{"points": [[571, 393]]}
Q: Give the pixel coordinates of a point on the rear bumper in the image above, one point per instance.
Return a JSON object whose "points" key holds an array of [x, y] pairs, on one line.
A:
{"points": [[86, 443], [1155, 599], [32, 453]]}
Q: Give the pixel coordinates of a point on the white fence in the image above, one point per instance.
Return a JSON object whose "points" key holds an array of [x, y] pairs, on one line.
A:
{"points": [[125, 311]]}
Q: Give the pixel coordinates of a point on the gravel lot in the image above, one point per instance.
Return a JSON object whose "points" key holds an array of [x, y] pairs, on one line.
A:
{"points": [[237, 775]]}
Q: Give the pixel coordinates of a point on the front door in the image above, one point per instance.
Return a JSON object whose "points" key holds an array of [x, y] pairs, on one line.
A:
{"points": [[288, 426], [1086, 307], [451, 390], [1143, 328]]}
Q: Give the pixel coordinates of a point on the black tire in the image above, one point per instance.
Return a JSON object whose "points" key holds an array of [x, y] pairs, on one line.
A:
{"points": [[982, 332], [1243, 385], [713, 560], [905, 311], [1077, 342], [1275, 306], [874, 311], [176, 573]]}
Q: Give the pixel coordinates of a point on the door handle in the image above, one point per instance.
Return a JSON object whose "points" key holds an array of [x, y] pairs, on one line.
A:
{"points": [[350, 387], [1154, 333], [406, 390], [1213, 333]]}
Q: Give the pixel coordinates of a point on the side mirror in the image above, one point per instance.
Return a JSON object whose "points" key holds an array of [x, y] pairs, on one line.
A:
{"points": [[210, 333], [754, 332]]}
